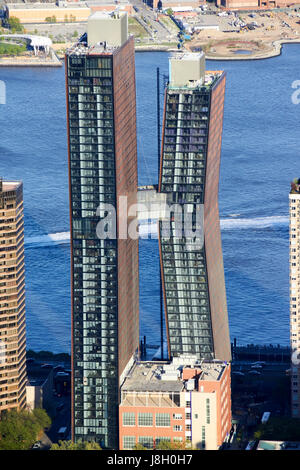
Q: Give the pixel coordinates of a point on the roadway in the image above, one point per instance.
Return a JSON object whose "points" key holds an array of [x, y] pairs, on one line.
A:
{"points": [[148, 17]]}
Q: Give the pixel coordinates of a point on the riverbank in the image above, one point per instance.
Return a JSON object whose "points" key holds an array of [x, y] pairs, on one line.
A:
{"points": [[30, 60], [259, 39], [276, 51], [245, 54]]}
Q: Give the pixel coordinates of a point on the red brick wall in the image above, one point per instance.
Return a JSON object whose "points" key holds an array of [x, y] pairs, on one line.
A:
{"points": [[152, 431]]}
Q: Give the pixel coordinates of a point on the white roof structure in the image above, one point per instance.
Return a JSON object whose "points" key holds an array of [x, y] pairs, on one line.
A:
{"points": [[34, 41]]}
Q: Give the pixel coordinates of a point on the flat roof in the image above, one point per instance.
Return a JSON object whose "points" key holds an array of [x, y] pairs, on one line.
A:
{"points": [[166, 377], [147, 377], [37, 375], [210, 78], [45, 6], [10, 185], [295, 186]]}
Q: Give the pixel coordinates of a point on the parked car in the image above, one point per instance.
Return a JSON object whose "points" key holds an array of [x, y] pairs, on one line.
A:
{"points": [[37, 445], [60, 407], [58, 368]]}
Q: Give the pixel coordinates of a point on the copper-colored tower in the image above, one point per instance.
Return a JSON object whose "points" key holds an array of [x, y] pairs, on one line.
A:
{"points": [[193, 278], [101, 106]]}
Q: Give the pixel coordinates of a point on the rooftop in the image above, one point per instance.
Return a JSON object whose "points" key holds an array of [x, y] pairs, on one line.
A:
{"points": [[45, 6], [37, 375], [295, 186], [9, 185], [82, 49], [147, 377], [163, 376], [278, 445], [211, 76]]}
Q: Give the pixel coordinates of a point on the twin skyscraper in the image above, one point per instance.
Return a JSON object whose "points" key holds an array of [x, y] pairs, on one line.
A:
{"points": [[102, 144]]}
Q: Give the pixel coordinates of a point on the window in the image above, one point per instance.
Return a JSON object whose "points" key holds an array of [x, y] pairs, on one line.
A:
{"points": [[146, 441], [177, 416], [177, 427], [207, 411], [145, 419], [162, 419], [128, 419], [128, 442], [162, 439]]}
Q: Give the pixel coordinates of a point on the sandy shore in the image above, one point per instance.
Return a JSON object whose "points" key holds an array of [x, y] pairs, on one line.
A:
{"points": [[265, 41]]}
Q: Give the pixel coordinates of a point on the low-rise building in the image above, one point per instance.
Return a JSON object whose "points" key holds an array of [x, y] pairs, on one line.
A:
{"points": [[180, 401], [42, 12], [254, 4], [39, 388]]}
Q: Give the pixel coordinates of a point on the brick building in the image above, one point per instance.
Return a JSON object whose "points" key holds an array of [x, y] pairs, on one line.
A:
{"points": [[180, 401]]}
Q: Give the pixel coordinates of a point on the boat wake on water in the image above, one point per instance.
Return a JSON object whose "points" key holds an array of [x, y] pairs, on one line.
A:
{"points": [[150, 230]]}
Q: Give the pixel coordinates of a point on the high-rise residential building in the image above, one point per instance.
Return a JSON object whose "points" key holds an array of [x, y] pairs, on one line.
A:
{"points": [[12, 297], [294, 202], [183, 401], [101, 115], [193, 273]]}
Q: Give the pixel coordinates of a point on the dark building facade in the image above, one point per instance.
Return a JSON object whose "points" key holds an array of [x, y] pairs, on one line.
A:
{"points": [[101, 107], [193, 276]]}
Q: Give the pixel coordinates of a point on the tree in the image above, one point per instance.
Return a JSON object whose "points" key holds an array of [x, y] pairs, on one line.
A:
{"points": [[169, 11], [139, 446], [19, 429], [50, 19], [80, 445], [167, 445], [15, 25], [42, 418]]}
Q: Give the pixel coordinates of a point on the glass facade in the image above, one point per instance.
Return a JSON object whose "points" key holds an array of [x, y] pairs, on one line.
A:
{"points": [[183, 169], [190, 154], [92, 181], [97, 129]]}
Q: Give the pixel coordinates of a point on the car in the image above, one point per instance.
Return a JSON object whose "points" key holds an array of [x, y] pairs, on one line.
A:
{"points": [[60, 407], [62, 374], [254, 372], [30, 360], [46, 366], [37, 445], [250, 445]]}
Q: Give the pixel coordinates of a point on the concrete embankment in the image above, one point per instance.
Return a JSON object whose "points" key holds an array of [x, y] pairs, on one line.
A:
{"points": [[31, 61]]}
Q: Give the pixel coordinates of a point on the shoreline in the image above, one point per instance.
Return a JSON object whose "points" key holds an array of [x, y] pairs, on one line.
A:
{"points": [[275, 52]]}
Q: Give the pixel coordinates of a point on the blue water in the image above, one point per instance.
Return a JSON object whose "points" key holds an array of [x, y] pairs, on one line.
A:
{"points": [[260, 156]]}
